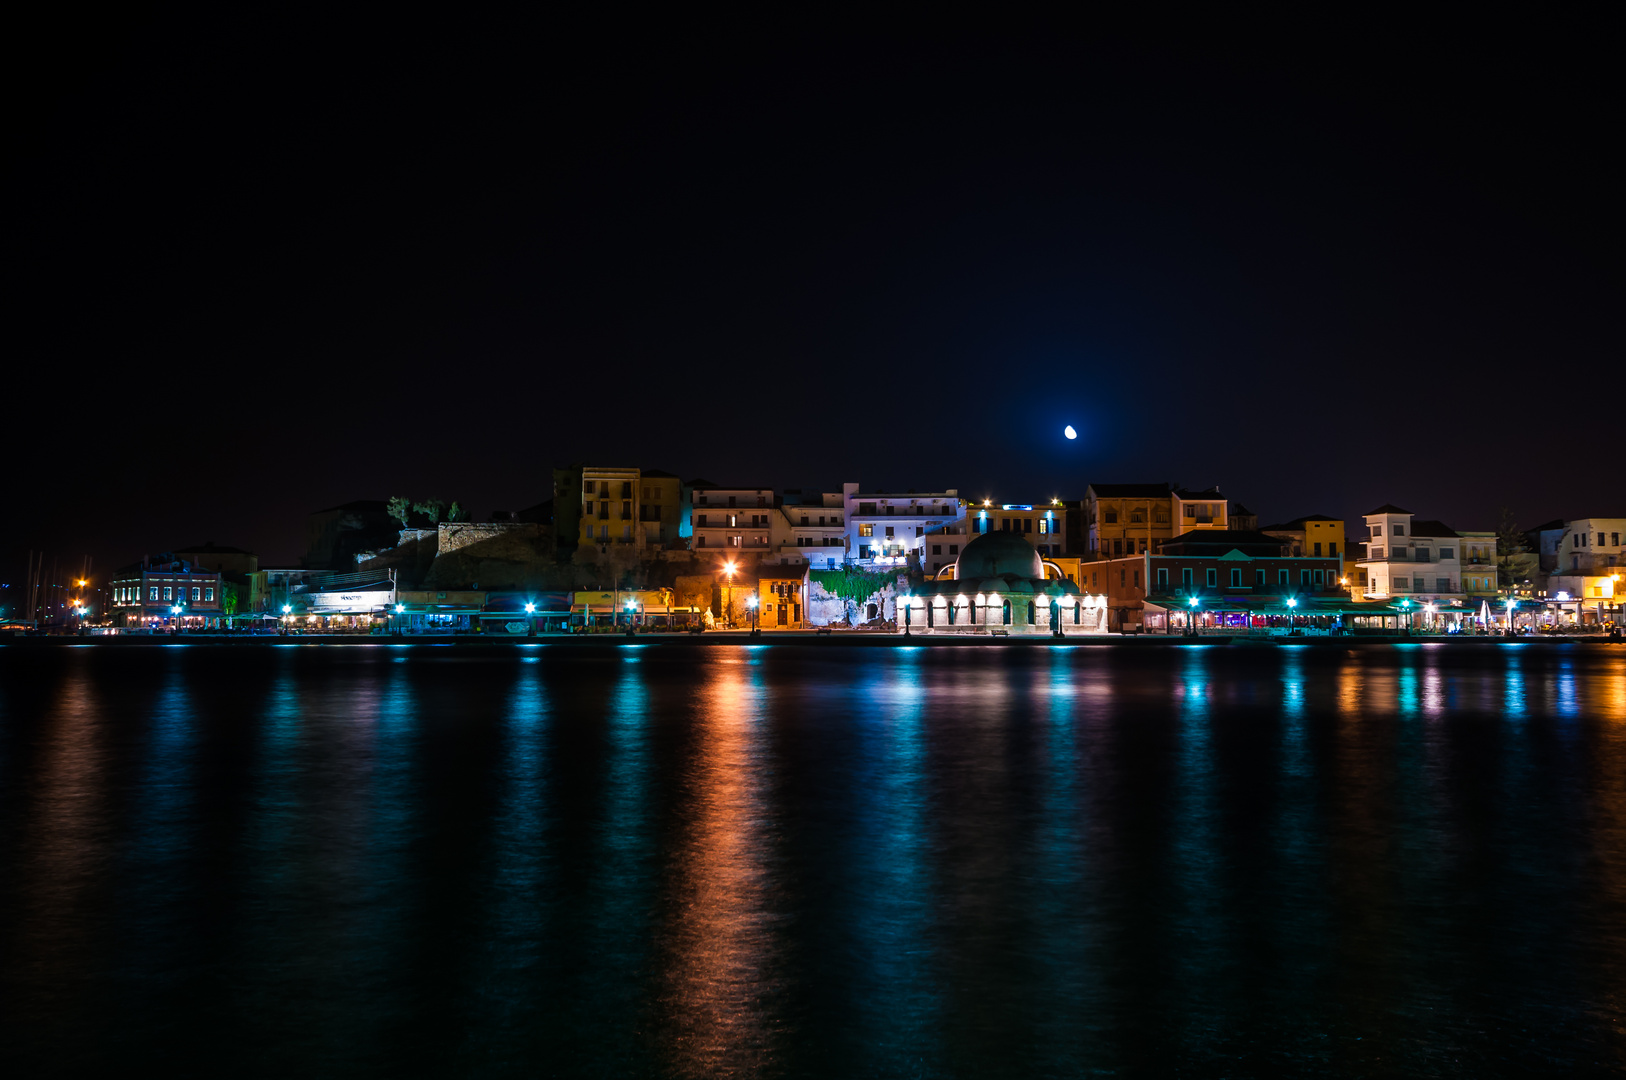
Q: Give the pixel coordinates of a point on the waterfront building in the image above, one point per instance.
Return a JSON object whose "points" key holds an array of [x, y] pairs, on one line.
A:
{"points": [[1411, 557], [1227, 570], [166, 592], [733, 521], [1589, 561], [1476, 551], [810, 527], [1129, 519], [436, 611], [1044, 525], [1000, 585], [782, 595], [890, 528], [609, 507]]}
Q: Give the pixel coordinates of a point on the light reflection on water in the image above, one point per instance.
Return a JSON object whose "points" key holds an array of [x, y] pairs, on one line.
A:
{"points": [[772, 860]]}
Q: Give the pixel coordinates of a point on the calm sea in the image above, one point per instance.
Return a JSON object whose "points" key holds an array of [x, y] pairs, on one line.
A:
{"points": [[801, 861]]}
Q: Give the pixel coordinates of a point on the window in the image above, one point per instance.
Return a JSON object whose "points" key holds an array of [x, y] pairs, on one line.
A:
{"points": [[1417, 584], [626, 532], [1398, 585], [197, 593], [168, 593], [1283, 578], [1236, 577], [603, 532], [1163, 577], [762, 500], [1377, 530], [734, 541], [702, 499], [1117, 547], [1191, 512], [1027, 525], [863, 551], [804, 520], [1213, 577], [1033, 615], [937, 549], [1043, 525], [731, 500], [587, 487], [1304, 579], [1185, 578], [626, 489], [1448, 553], [891, 509], [701, 521], [889, 532], [1137, 579], [1110, 516], [1317, 551], [954, 549], [626, 509], [1443, 585], [1332, 550], [700, 541], [152, 593], [1137, 517], [1123, 578], [866, 530], [1400, 530], [1319, 580], [1259, 577], [1095, 580]]}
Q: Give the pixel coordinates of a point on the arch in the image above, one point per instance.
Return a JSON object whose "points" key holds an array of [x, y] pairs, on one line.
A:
{"points": [[1061, 575]]}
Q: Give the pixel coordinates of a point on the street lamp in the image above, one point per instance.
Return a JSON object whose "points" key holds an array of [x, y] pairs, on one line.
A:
{"points": [[395, 626], [287, 609], [530, 620], [752, 602], [1191, 620], [632, 609]]}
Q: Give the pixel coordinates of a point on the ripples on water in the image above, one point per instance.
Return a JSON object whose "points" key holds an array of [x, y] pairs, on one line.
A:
{"points": [[788, 861]]}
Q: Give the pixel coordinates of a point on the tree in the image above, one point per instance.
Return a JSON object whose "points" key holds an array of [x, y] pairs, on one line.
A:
{"points": [[431, 508], [456, 513], [230, 599], [400, 506], [1509, 546]]}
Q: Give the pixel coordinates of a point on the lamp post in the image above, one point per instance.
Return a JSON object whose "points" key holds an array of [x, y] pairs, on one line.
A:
{"points": [[530, 620], [1511, 604], [1191, 619], [1405, 606], [752, 602], [908, 613], [287, 609], [176, 611], [632, 609], [1292, 605]]}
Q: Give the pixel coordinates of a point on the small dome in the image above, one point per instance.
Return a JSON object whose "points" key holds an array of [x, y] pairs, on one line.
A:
{"points": [[998, 553]]}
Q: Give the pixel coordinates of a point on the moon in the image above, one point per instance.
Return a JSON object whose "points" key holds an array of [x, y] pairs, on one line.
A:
{"points": [[1069, 432]]}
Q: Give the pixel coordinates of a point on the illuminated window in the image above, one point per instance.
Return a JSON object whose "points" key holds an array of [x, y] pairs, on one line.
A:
{"points": [[152, 593], [168, 593], [197, 593], [866, 530], [208, 594]]}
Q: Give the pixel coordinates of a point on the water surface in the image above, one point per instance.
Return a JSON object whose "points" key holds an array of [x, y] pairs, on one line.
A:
{"points": [[796, 861]]}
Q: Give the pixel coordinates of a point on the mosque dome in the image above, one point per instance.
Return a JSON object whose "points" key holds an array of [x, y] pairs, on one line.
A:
{"points": [[998, 553]]}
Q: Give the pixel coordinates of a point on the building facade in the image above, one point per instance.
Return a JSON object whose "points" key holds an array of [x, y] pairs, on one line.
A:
{"points": [[1130, 519], [890, 528], [1589, 562], [810, 527], [1211, 567], [733, 521], [166, 593], [1411, 557]]}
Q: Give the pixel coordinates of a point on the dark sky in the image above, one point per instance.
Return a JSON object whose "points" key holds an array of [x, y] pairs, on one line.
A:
{"points": [[262, 269]]}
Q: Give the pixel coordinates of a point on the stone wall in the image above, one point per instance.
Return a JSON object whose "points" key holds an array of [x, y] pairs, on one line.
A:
{"points": [[824, 609], [456, 535]]}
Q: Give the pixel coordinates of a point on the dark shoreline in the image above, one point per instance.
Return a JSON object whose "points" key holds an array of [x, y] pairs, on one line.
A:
{"points": [[847, 639]]}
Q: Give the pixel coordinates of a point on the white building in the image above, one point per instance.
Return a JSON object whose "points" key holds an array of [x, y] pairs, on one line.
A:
{"points": [[810, 526], [887, 529], [1411, 557], [1589, 564], [733, 520]]}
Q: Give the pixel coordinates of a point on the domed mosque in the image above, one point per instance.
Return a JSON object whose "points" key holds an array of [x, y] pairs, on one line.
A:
{"points": [[999, 584]]}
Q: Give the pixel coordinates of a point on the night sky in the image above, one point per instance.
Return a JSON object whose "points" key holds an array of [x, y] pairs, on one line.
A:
{"points": [[261, 269]]}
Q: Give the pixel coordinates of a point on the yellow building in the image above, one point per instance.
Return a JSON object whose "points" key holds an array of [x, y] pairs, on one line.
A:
{"points": [[1129, 519], [615, 506], [782, 595]]}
